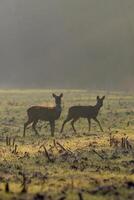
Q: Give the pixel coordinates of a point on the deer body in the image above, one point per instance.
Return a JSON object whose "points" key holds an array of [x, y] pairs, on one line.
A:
{"points": [[51, 114], [44, 113], [88, 112], [83, 111]]}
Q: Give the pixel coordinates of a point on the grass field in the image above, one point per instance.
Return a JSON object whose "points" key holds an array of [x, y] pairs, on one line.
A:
{"points": [[78, 166]]}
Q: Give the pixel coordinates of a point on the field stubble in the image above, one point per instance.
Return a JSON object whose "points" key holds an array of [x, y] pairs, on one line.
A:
{"points": [[70, 166]]}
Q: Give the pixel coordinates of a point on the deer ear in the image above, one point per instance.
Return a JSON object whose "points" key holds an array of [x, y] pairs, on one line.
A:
{"points": [[53, 95], [98, 98], [61, 95], [103, 97]]}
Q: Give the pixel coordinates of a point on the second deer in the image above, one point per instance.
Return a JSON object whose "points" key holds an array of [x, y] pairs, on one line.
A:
{"points": [[50, 114], [88, 112]]}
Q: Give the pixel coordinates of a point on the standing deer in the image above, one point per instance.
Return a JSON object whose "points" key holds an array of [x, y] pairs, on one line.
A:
{"points": [[36, 113], [88, 112]]}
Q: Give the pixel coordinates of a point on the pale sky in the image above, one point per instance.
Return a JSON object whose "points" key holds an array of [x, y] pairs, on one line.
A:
{"points": [[67, 43]]}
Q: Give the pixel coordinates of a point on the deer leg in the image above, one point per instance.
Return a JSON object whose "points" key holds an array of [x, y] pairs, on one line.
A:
{"points": [[98, 124], [89, 123], [52, 126], [34, 127], [25, 126], [72, 123], [67, 120]]}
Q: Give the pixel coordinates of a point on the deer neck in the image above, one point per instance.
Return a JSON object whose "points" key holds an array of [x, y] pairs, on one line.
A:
{"points": [[58, 108], [97, 107]]}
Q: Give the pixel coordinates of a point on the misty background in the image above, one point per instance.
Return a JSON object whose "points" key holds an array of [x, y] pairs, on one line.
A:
{"points": [[67, 44]]}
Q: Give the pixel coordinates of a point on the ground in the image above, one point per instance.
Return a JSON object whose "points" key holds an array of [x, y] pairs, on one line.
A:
{"points": [[71, 166]]}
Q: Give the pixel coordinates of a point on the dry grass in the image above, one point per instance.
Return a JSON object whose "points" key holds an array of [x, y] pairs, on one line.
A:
{"points": [[69, 166]]}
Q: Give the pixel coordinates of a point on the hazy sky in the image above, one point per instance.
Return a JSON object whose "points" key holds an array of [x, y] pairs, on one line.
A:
{"points": [[67, 43]]}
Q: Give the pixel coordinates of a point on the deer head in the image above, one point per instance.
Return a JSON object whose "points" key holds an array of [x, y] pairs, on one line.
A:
{"points": [[57, 98], [100, 101]]}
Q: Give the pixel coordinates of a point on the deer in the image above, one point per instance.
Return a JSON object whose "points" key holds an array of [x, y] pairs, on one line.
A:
{"points": [[42, 113], [88, 112]]}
